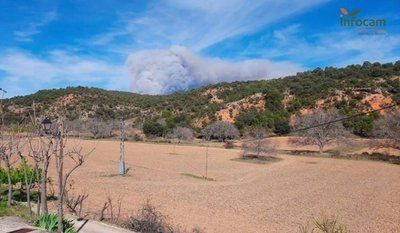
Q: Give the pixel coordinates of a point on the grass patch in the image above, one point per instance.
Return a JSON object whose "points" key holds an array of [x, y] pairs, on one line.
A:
{"points": [[310, 162], [309, 153], [257, 159], [374, 156], [172, 153], [198, 177], [324, 225], [114, 175], [15, 210]]}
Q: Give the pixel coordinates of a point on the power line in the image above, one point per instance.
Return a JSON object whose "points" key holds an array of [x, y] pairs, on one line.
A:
{"points": [[337, 120], [345, 118]]}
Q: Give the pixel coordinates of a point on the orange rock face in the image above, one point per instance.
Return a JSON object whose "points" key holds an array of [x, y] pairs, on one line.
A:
{"points": [[231, 110], [376, 101]]}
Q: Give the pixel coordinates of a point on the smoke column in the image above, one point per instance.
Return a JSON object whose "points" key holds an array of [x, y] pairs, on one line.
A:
{"points": [[178, 69]]}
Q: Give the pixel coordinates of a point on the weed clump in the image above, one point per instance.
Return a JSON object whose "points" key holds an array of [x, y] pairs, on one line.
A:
{"points": [[324, 225]]}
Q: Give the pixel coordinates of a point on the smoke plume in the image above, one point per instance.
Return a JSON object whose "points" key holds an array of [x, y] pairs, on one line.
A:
{"points": [[178, 69]]}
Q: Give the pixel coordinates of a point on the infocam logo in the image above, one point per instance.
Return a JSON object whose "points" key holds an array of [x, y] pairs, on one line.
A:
{"points": [[351, 19]]}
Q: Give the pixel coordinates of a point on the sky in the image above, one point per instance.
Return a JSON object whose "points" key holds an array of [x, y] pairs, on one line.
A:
{"points": [[160, 47]]}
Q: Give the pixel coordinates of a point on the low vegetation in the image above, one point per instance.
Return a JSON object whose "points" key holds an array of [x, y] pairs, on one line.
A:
{"points": [[324, 225], [27, 150], [220, 130], [284, 97], [150, 220], [49, 222], [198, 177], [14, 210], [328, 129]]}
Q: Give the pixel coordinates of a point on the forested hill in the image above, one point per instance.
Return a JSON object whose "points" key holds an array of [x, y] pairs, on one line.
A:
{"points": [[352, 89]]}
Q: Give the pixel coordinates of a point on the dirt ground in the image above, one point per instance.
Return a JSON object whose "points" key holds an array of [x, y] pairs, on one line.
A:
{"points": [[245, 197]]}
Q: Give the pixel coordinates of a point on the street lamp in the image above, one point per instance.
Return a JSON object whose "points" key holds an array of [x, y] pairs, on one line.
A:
{"points": [[46, 125]]}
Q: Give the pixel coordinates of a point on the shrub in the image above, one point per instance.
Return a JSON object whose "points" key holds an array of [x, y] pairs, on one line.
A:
{"points": [[149, 220], [182, 134], [282, 127], [18, 173], [324, 225], [152, 128], [99, 128], [220, 130], [360, 125], [318, 130], [50, 222], [229, 145]]}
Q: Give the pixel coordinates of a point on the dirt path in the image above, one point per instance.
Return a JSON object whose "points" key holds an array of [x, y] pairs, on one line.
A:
{"points": [[244, 197]]}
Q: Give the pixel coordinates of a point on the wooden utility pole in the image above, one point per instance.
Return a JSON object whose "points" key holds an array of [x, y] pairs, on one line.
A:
{"points": [[121, 168], [1, 107]]}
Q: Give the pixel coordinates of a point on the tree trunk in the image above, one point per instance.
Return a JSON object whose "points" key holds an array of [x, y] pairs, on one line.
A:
{"points": [[43, 187], [9, 186], [60, 177], [258, 148], [38, 201], [321, 149], [28, 192]]}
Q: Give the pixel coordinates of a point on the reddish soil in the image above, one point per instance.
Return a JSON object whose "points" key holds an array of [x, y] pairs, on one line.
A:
{"points": [[245, 197]]}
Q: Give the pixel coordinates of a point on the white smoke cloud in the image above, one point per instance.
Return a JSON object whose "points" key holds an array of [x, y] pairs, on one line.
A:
{"points": [[178, 69]]}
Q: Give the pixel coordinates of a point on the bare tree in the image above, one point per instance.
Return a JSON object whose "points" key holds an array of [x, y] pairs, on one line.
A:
{"points": [[74, 203], [318, 128], [74, 153], [41, 151], [10, 151], [182, 134], [111, 212], [99, 128], [30, 175], [220, 130], [35, 154], [75, 125], [388, 127], [258, 145]]}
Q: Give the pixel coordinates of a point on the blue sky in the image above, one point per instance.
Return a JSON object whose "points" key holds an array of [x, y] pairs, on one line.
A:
{"points": [[159, 47]]}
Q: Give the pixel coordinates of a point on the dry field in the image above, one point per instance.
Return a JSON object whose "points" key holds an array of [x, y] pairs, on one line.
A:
{"points": [[245, 197]]}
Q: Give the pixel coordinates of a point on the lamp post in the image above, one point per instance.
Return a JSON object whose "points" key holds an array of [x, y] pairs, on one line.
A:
{"points": [[46, 125]]}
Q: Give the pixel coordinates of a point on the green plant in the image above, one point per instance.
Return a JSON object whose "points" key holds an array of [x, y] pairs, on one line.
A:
{"points": [[50, 222], [152, 128], [324, 225], [14, 210]]}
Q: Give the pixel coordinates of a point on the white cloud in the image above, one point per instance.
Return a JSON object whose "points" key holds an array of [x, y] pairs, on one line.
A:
{"points": [[177, 69], [33, 28], [334, 48], [24, 72], [286, 33], [199, 24]]}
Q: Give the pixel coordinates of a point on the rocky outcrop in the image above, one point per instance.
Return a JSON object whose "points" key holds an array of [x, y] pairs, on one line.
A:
{"points": [[231, 110]]}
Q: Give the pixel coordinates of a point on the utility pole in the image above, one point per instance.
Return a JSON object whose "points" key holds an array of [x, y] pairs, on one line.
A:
{"points": [[206, 165], [1, 107], [121, 168]]}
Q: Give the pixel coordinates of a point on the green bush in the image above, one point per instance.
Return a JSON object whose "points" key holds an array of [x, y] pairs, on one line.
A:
{"points": [[18, 174], [282, 127], [152, 128], [50, 222], [18, 177], [360, 125]]}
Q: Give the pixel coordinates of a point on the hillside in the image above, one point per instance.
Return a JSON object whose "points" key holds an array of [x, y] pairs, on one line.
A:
{"points": [[352, 89]]}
